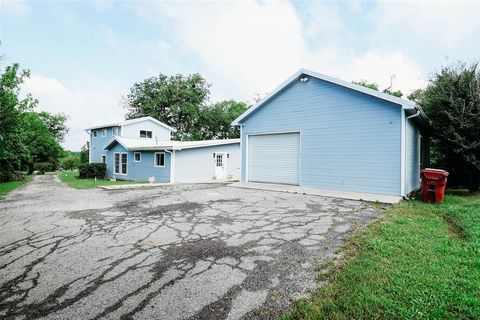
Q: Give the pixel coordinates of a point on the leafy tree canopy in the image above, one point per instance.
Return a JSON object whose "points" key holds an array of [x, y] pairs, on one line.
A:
{"points": [[216, 120], [183, 103], [365, 83], [375, 86], [25, 135], [452, 103], [174, 100]]}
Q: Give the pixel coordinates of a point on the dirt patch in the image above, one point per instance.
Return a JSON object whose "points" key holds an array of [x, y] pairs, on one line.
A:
{"points": [[454, 228]]}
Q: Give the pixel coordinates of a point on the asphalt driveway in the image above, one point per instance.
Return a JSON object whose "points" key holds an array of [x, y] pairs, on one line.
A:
{"points": [[177, 252]]}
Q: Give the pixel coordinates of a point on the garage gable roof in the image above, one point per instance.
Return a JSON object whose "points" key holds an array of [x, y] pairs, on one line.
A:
{"points": [[405, 104]]}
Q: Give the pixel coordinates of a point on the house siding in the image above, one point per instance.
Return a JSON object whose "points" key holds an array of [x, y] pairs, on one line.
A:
{"points": [[198, 164], [133, 130], [139, 171], [97, 143], [412, 137], [348, 140]]}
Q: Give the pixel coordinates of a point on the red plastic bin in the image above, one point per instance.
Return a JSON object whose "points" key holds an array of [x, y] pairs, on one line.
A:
{"points": [[434, 182]]}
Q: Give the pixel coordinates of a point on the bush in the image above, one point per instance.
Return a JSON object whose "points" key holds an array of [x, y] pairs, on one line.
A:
{"points": [[43, 167], [452, 103], [70, 163], [92, 170], [17, 176]]}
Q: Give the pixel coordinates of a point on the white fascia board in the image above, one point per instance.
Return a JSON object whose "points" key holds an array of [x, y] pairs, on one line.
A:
{"points": [[107, 145], [127, 122], [205, 145], [236, 122]]}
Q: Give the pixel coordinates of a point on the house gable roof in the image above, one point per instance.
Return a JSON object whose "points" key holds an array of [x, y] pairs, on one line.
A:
{"points": [[405, 104], [131, 121]]}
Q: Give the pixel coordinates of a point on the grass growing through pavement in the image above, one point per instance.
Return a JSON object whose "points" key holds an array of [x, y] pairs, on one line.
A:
{"points": [[71, 178], [421, 261], [6, 187]]}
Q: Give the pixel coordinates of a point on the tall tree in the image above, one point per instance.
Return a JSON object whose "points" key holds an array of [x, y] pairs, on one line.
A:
{"points": [[11, 109], [216, 120], [43, 143], [452, 103], [175, 100], [56, 124], [376, 87], [366, 84], [25, 135], [85, 152]]}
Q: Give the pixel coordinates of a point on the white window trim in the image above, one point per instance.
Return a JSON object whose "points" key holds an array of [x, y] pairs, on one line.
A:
{"points": [[101, 158], [94, 133], [104, 132], [120, 164], [115, 131], [134, 154], [139, 134], [155, 160]]}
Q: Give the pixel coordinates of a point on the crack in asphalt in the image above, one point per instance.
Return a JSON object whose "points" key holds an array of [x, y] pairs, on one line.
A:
{"points": [[179, 252]]}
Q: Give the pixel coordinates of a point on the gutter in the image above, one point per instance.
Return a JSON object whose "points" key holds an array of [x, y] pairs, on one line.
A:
{"points": [[172, 165]]}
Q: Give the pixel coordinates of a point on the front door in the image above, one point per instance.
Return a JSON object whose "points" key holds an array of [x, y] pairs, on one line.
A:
{"points": [[220, 166]]}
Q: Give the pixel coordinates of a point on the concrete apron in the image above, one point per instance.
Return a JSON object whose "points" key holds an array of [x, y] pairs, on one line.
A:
{"points": [[319, 192]]}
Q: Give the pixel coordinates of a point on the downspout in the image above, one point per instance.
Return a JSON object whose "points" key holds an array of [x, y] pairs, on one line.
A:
{"points": [[172, 165], [405, 146]]}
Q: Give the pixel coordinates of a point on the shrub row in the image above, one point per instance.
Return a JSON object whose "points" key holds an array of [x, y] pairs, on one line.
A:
{"points": [[92, 170], [43, 167]]}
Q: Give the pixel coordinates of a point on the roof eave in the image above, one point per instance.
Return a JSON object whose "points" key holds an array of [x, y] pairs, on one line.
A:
{"points": [[380, 95]]}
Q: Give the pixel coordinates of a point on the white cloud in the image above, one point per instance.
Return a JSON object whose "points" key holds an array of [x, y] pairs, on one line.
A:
{"points": [[88, 104], [15, 8], [379, 68], [446, 23], [248, 48], [38, 84], [244, 47]]}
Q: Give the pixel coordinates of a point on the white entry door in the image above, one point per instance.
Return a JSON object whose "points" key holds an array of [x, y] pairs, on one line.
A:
{"points": [[220, 166]]}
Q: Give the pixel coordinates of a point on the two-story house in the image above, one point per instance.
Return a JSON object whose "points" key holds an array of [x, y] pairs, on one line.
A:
{"points": [[142, 148]]}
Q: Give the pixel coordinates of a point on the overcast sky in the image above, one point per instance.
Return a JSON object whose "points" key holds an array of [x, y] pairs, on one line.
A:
{"points": [[84, 56]]}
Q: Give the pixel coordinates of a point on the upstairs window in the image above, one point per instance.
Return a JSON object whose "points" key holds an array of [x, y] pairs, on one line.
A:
{"points": [[159, 159], [94, 133], [104, 132], [145, 134], [115, 131]]}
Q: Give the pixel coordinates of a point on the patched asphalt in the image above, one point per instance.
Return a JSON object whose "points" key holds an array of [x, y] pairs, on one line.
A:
{"points": [[176, 252]]}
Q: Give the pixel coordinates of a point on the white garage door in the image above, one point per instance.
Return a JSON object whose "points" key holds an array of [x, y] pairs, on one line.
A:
{"points": [[274, 158]]}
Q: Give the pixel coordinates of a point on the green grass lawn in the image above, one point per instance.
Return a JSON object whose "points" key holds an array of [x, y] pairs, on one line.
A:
{"points": [[6, 187], [421, 261], [71, 178]]}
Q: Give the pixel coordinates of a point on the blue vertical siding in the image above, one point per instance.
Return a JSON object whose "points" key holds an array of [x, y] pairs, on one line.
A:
{"points": [[348, 140], [98, 142], [412, 155], [139, 171]]}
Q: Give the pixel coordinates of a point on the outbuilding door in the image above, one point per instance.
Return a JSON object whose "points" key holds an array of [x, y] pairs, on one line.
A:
{"points": [[274, 158], [220, 166]]}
